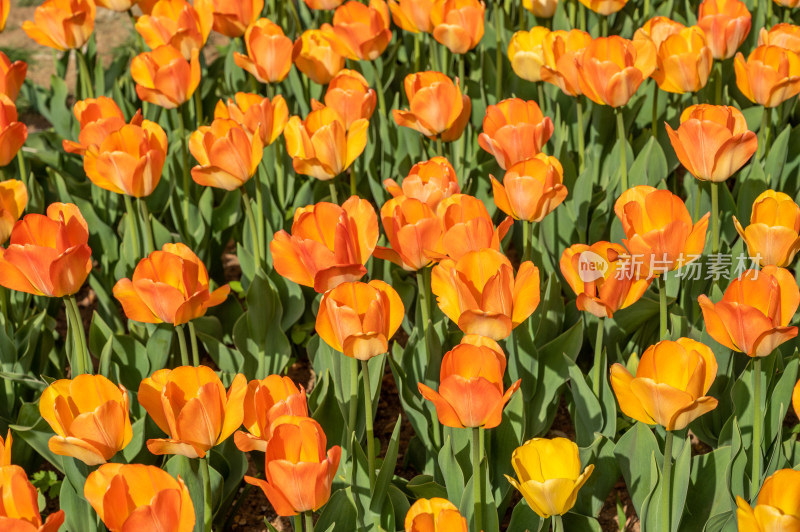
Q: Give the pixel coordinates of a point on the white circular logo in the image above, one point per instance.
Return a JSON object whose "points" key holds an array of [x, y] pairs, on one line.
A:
{"points": [[591, 266]]}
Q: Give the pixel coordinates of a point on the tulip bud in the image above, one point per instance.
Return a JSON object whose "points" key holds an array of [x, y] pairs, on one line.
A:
{"points": [[434, 515], [458, 24], [228, 154], [683, 61], [266, 402], [164, 77], [773, 235], [62, 24], [429, 181], [437, 107], [315, 57], [514, 130], [777, 507], [13, 200], [12, 76], [269, 52], [541, 8], [604, 7], [177, 23], [770, 76], [350, 96]]}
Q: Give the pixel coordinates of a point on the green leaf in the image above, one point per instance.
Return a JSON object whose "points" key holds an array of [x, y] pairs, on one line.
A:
{"points": [[425, 487], [633, 451], [339, 513], [383, 480]]}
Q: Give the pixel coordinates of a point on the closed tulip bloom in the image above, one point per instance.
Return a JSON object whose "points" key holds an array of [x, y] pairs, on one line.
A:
{"points": [[787, 3], [458, 24], [726, 24], [321, 146], [480, 293], [139, 497], [191, 406], [777, 507], [713, 141], [13, 133], [653, 33], [602, 278], [468, 226], [358, 319], [434, 515], [19, 504], [541, 8], [323, 4], [560, 49], [265, 402], [531, 189], [227, 153], [260, 116], [610, 70], [514, 130], [315, 57], [414, 233], [773, 235], [178, 23], [770, 76], [350, 96], [269, 52], [549, 474], [429, 181], [12, 76], [116, 5], [13, 200], [298, 471], [89, 415], [164, 77], [233, 17], [412, 15], [659, 229], [754, 314], [526, 53], [47, 255], [471, 388], [684, 62], [62, 24], [98, 118], [604, 7], [329, 244], [360, 31], [437, 108], [168, 286], [784, 35]]}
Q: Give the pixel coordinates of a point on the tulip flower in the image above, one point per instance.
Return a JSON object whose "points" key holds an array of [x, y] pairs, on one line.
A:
{"points": [[269, 52], [777, 506], [783, 35], [98, 118], [13, 133], [12, 76], [228, 154], [754, 314], [89, 415], [233, 18], [471, 388], [541, 8], [514, 130], [610, 70], [315, 57], [559, 51], [602, 278], [480, 293], [437, 109], [770, 76], [787, 3], [773, 236], [62, 24], [795, 402], [328, 244], [683, 61], [298, 471], [350, 96], [531, 189], [726, 24], [164, 77], [116, 5], [649, 38], [47, 255], [265, 404], [19, 504], [323, 4], [177, 23], [359, 31], [321, 146], [458, 24], [5, 8], [414, 233], [434, 515], [260, 116], [5, 449], [13, 200], [169, 286], [526, 53], [412, 15], [604, 7], [428, 181], [136, 497], [549, 475], [191, 406], [468, 226]]}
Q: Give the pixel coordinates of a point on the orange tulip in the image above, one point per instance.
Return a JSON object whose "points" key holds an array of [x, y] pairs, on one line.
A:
{"points": [[659, 229], [434, 515], [328, 245], [468, 226], [480, 294], [412, 15], [514, 130], [773, 235], [683, 61], [601, 278], [649, 38], [321, 146], [541, 8], [98, 118], [266, 402], [315, 57], [726, 24], [787, 3], [169, 286], [358, 319], [5, 8], [19, 504], [770, 76], [713, 141], [190, 405], [116, 5], [164, 77], [471, 387], [139, 497], [146, 6], [12, 76], [5, 449], [233, 17], [458, 24], [414, 233], [429, 181], [47, 255], [269, 52], [323, 4], [350, 96], [360, 31], [610, 70], [784, 35], [13, 133], [178, 23], [13, 200], [298, 471], [670, 385], [228, 154], [89, 415], [62, 24], [531, 189], [604, 7], [754, 313], [437, 107], [777, 507], [560, 48], [260, 116], [526, 53]]}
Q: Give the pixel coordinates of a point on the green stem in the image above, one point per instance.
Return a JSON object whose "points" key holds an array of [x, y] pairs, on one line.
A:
{"points": [[603, 25], [353, 178], [646, 10], [131, 216], [298, 519], [417, 54], [623, 147], [309, 522], [498, 74], [558, 524], [718, 83], [352, 418], [477, 481], [598, 358], [147, 226], [198, 107], [279, 177], [581, 132], [4, 309], [251, 221], [763, 133], [714, 217], [666, 493], [654, 126], [23, 172], [768, 18], [370, 428], [582, 16], [260, 224], [662, 307], [83, 72], [423, 326], [298, 27], [193, 339], [439, 147], [82, 363], [208, 511], [572, 9], [755, 478], [332, 188], [182, 345], [379, 90], [526, 240], [185, 155], [540, 91]]}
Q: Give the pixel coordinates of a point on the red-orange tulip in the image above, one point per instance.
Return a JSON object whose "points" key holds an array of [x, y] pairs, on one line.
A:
{"points": [[328, 245], [360, 31], [315, 57], [726, 23], [146, 6], [559, 50], [228, 154], [265, 402], [773, 235], [434, 515], [13, 200], [429, 181], [47, 255], [12, 75], [164, 77], [531, 189], [437, 109], [414, 233], [514, 130], [169, 286], [323, 4], [232, 18], [190, 405], [770, 76], [19, 504], [12, 132], [260, 116], [350, 96], [269, 52], [754, 314], [178, 23], [412, 15], [784, 35], [610, 70], [458, 24], [468, 226], [683, 61], [98, 118], [62, 24]]}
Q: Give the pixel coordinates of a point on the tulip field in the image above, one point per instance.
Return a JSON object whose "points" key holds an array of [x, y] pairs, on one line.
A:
{"points": [[399, 265]]}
